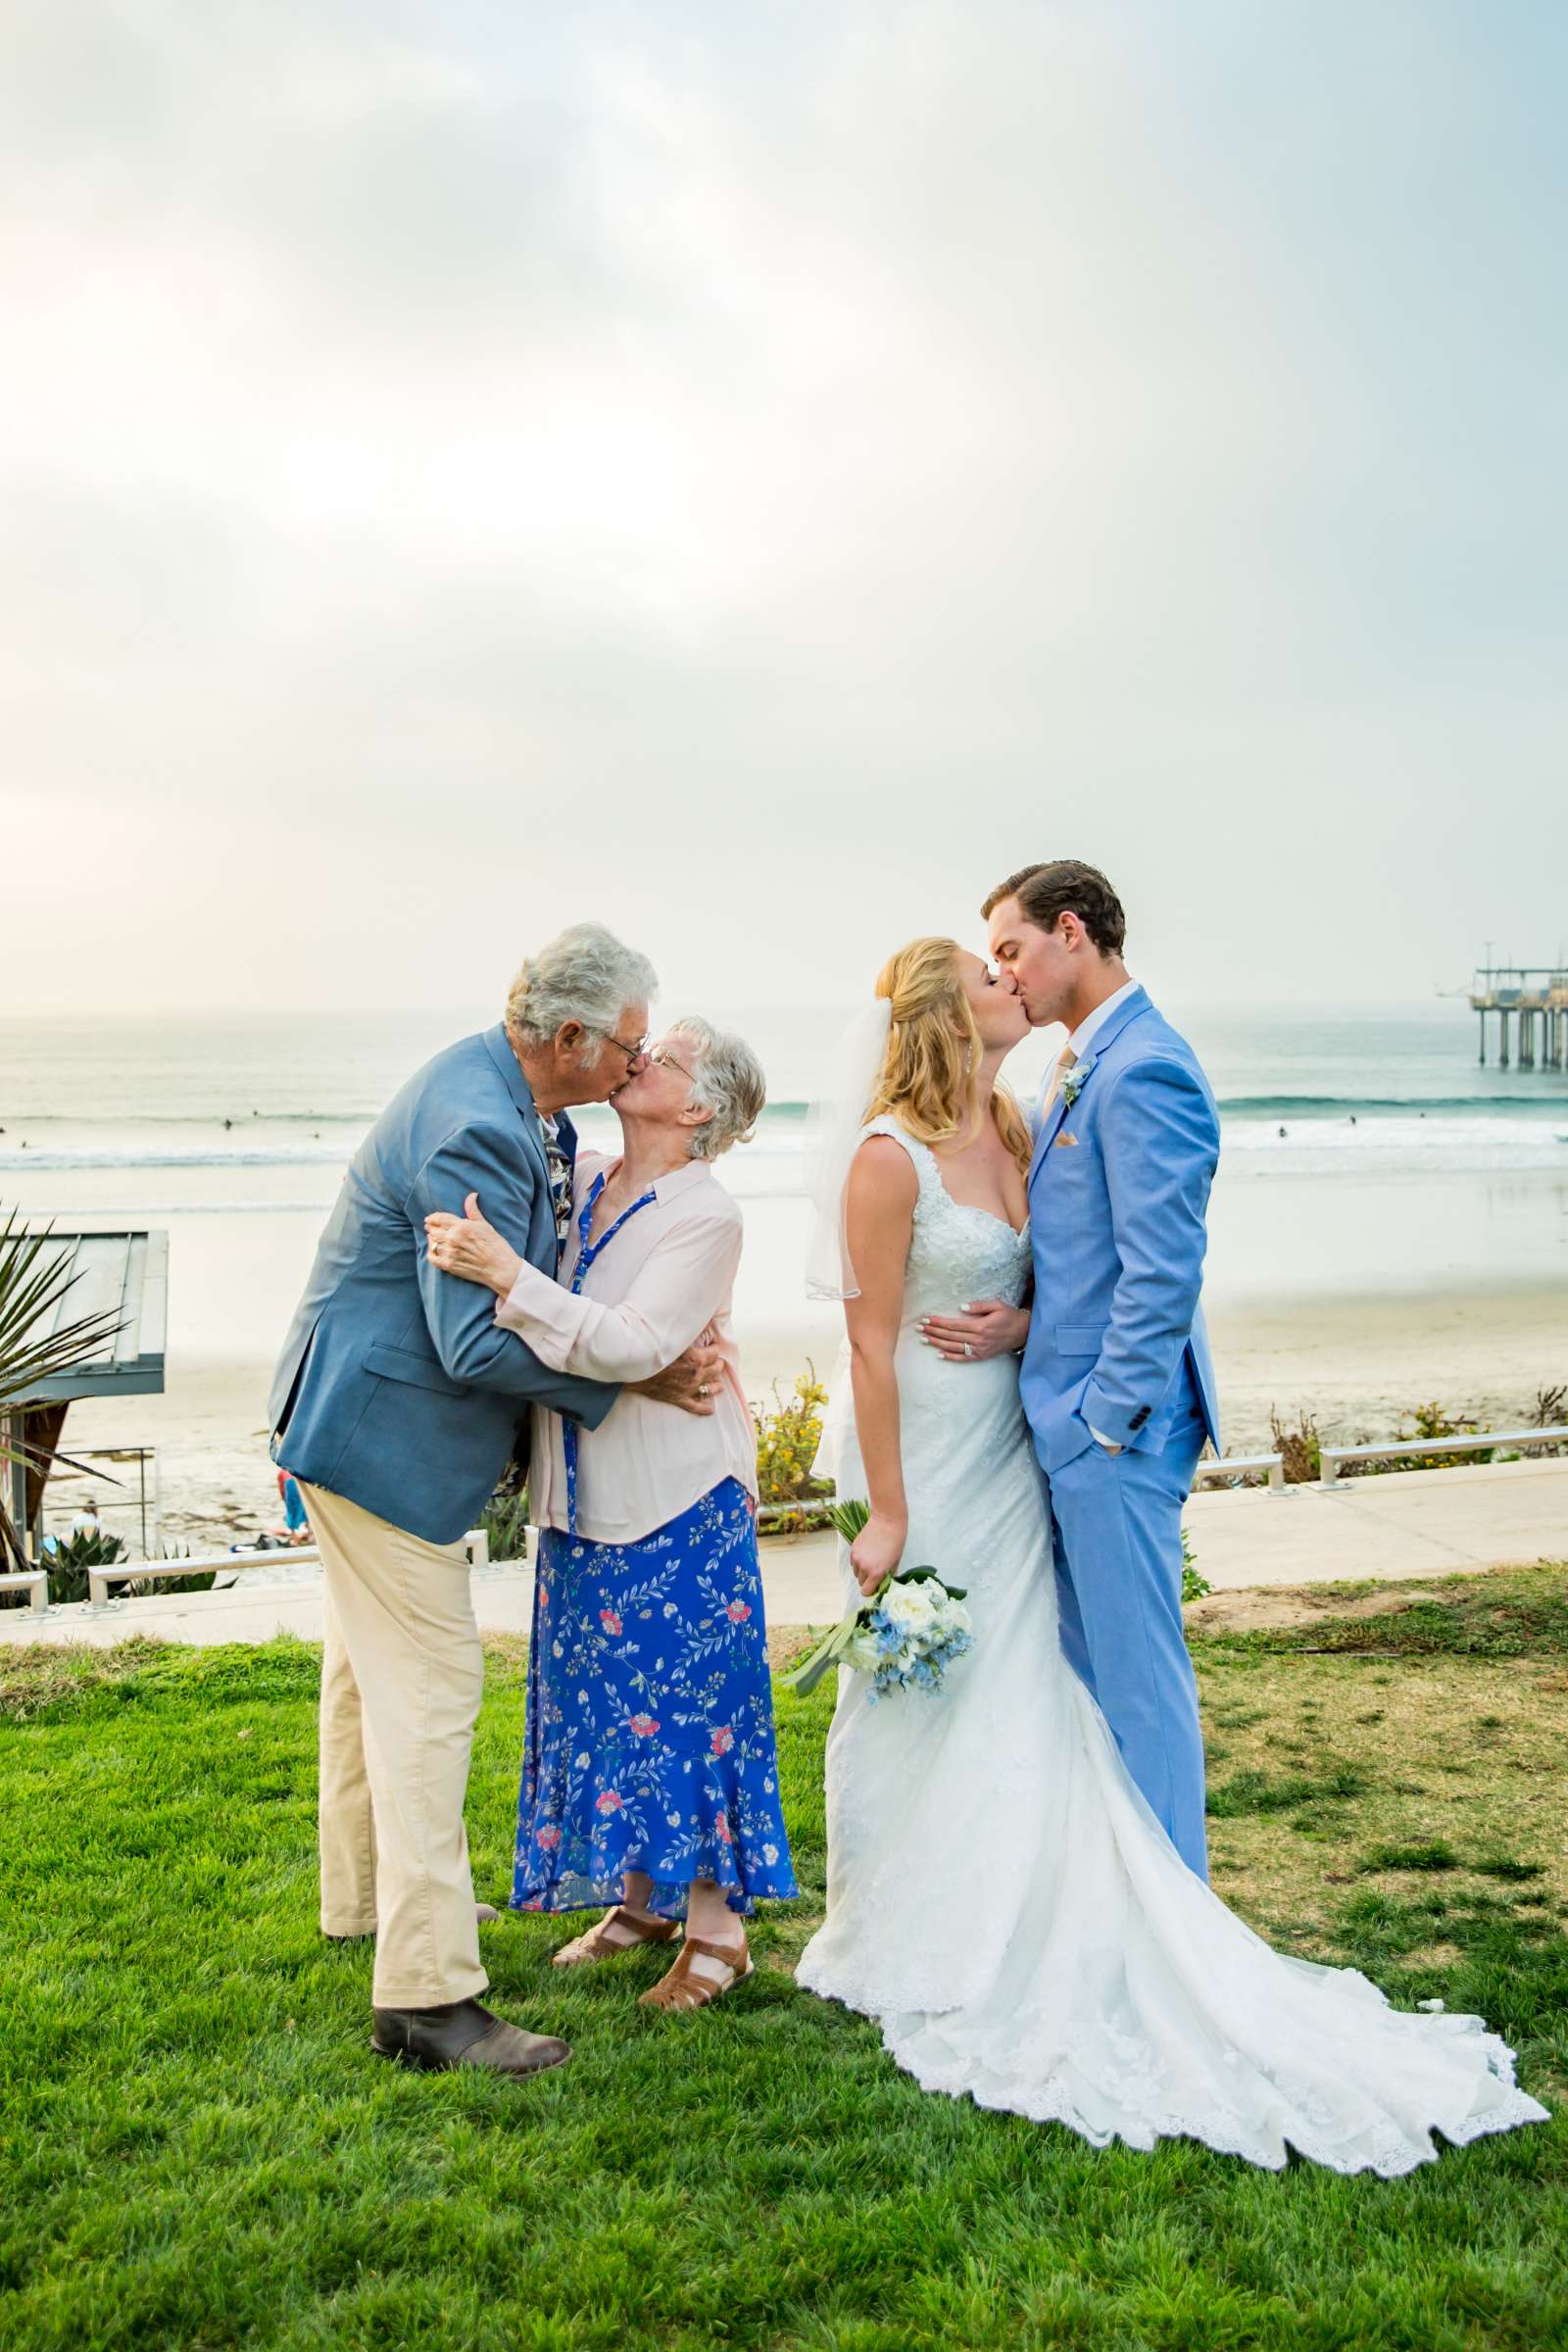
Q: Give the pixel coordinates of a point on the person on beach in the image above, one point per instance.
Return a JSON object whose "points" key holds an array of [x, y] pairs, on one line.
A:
{"points": [[1003, 1898], [396, 1404], [650, 1776], [296, 1527]]}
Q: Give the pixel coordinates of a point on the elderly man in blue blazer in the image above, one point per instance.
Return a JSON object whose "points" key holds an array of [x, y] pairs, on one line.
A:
{"points": [[397, 1402], [1117, 1381]]}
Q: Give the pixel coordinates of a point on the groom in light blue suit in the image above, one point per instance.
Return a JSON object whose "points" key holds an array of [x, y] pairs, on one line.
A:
{"points": [[1117, 1381]]}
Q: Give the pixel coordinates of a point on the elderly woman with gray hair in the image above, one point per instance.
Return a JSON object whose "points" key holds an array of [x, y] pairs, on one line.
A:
{"points": [[395, 1405], [649, 1774]]}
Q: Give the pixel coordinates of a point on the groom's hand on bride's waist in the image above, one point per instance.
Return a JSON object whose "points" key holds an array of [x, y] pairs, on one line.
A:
{"points": [[988, 1327], [691, 1382]]}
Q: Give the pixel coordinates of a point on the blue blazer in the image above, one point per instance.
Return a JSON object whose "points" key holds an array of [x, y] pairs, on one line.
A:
{"points": [[395, 1386], [1118, 1190]]}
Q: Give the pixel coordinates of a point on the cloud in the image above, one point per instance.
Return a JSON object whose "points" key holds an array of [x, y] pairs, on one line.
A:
{"points": [[766, 477]]}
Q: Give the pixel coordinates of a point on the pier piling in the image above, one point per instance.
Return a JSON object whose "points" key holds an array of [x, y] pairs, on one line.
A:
{"points": [[1532, 992]]}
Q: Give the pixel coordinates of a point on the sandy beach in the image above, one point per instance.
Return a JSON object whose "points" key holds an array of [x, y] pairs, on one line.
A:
{"points": [[1389, 1225], [1356, 1361]]}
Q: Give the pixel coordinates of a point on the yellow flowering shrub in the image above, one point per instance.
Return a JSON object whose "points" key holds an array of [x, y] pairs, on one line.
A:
{"points": [[787, 1437]]}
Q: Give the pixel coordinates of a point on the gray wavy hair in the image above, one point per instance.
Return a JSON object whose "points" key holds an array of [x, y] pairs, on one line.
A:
{"points": [[728, 1080], [585, 974]]}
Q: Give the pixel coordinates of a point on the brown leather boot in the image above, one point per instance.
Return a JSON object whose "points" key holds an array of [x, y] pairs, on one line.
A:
{"points": [[463, 2033]]}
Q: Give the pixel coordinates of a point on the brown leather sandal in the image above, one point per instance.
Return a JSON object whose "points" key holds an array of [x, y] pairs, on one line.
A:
{"points": [[598, 1944], [689, 1988]]}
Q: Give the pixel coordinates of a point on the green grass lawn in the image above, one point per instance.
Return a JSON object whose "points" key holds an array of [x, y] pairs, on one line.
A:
{"points": [[199, 2151]]}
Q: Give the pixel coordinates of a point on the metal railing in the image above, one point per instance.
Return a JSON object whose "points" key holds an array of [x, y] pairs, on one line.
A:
{"points": [[145, 1572], [1404, 1449], [158, 1572], [1269, 1466], [1243, 1465], [809, 1506]]}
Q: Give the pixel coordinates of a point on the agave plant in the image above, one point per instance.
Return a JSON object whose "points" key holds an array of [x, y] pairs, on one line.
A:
{"points": [[35, 1345], [70, 1558]]}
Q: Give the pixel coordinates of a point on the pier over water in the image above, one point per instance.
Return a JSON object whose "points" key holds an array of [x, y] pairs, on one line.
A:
{"points": [[1536, 996]]}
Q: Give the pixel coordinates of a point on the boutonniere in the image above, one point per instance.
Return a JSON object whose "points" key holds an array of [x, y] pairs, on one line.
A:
{"points": [[1072, 1086]]}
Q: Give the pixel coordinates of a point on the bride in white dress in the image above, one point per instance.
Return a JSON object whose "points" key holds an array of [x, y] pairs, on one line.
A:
{"points": [[1001, 1900]]}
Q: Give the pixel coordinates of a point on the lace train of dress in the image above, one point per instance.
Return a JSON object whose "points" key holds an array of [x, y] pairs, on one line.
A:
{"points": [[1000, 1899]]}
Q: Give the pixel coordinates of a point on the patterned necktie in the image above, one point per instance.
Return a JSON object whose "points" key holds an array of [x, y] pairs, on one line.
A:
{"points": [[560, 1167]]}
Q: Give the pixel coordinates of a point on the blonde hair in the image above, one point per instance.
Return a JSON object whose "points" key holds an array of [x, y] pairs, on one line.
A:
{"points": [[930, 1076]]}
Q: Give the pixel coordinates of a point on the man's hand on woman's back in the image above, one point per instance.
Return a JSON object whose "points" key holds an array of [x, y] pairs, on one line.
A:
{"points": [[690, 1382]]}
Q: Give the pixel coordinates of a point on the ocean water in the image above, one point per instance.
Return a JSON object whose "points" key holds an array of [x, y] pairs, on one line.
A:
{"points": [[1297, 1094], [1356, 1152]]}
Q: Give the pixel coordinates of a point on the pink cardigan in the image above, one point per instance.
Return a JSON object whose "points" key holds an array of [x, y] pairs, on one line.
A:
{"points": [[669, 1275]]}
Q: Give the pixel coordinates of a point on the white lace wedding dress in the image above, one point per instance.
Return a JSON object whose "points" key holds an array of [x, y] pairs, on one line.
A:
{"points": [[1000, 1899]]}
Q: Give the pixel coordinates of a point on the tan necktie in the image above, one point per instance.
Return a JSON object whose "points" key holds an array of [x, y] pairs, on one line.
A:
{"points": [[1064, 1061]]}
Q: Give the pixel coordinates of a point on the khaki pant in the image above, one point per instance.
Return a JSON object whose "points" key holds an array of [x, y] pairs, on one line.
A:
{"points": [[402, 1676]]}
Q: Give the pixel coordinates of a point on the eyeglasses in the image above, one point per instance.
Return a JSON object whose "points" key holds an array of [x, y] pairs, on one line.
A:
{"points": [[634, 1053], [666, 1062]]}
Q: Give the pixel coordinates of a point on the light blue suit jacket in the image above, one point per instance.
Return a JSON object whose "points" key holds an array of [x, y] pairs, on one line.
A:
{"points": [[395, 1386], [1118, 1190]]}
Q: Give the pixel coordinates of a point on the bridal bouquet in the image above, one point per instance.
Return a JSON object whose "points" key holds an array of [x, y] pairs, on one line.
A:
{"points": [[905, 1636]]}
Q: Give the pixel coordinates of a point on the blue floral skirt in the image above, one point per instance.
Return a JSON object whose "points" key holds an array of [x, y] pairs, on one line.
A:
{"points": [[649, 1738]]}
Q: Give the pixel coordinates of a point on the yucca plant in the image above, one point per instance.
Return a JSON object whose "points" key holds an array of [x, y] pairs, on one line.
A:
{"points": [[33, 1347]]}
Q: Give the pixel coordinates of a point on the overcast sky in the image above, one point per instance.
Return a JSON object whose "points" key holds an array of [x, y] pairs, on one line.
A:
{"points": [[759, 474]]}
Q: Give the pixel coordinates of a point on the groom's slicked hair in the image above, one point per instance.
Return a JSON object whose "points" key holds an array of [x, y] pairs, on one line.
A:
{"points": [[1064, 886]]}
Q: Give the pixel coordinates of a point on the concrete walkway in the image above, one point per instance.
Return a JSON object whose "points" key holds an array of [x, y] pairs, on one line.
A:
{"points": [[1412, 1524], [1402, 1524]]}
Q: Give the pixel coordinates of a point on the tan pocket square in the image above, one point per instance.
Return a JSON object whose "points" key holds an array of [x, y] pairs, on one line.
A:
{"points": [[1063, 1140]]}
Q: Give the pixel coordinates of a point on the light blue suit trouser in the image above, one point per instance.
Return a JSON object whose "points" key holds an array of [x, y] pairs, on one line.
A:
{"points": [[1117, 1520]]}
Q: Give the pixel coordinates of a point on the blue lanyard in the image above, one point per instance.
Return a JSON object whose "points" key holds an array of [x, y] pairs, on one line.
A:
{"points": [[587, 1252]]}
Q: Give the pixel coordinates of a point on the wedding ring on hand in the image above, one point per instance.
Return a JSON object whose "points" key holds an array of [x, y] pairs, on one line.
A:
{"points": [[968, 1348]]}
